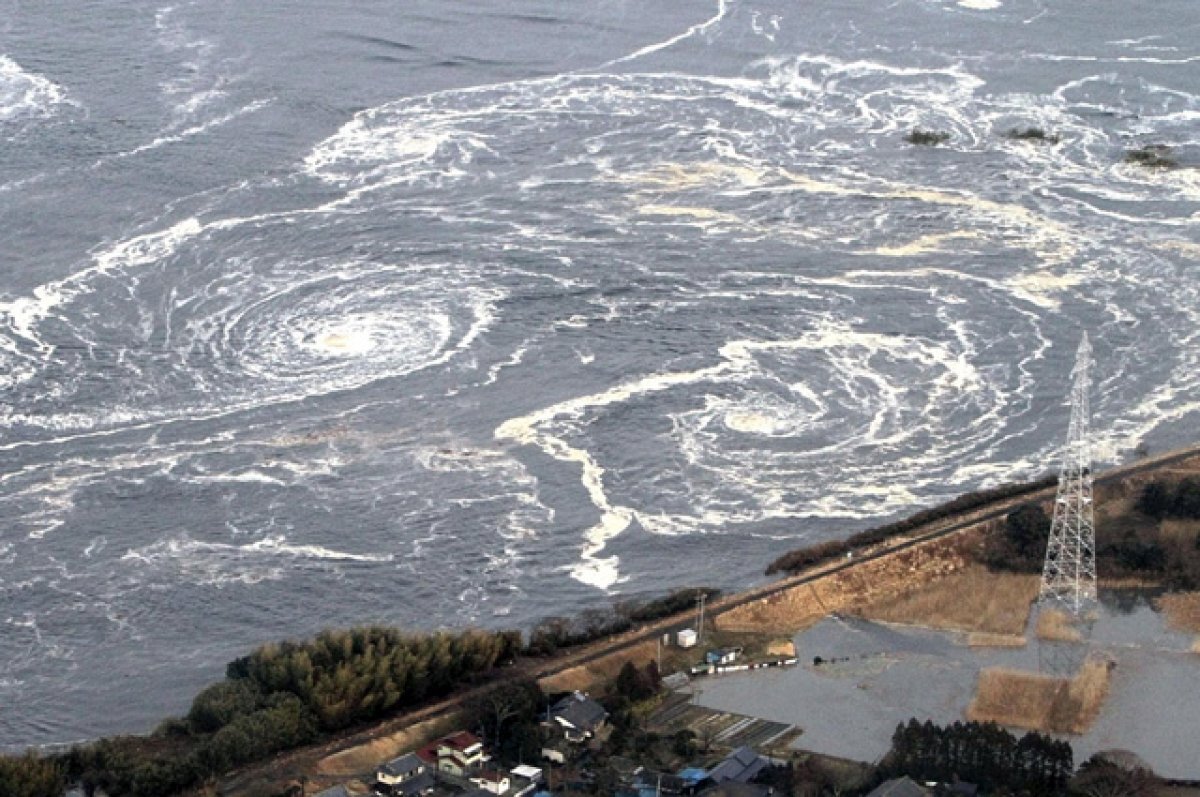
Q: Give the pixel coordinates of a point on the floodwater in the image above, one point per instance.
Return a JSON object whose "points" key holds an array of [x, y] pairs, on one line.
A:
{"points": [[876, 676]]}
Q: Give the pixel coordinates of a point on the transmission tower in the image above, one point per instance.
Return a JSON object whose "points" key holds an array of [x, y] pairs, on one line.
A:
{"points": [[1069, 574]]}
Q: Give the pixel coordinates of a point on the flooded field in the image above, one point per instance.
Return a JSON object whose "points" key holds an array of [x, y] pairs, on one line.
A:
{"points": [[859, 679]]}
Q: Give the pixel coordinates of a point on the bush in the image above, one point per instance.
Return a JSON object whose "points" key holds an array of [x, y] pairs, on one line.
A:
{"points": [[683, 743], [284, 695], [1161, 500], [1154, 156], [1031, 134], [1021, 547], [635, 684], [926, 138], [220, 704], [677, 601]]}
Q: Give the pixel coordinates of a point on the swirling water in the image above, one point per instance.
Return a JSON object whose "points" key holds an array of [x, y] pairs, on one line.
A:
{"points": [[435, 314]]}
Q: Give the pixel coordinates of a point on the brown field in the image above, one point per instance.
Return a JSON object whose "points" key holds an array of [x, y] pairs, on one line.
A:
{"points": [[589, 677], [973, 599], [1182, 610], [781, 647], [1055, 625], [870, 582], [1041, 702], [1184, 531], [366, 757]]}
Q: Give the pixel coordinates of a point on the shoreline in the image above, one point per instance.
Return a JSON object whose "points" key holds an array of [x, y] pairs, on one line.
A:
{"points": [[893, 562], [735, 612]]}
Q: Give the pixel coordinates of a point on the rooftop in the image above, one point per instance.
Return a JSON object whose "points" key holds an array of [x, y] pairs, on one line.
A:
{"points": [[405, 765], [580, 711]]}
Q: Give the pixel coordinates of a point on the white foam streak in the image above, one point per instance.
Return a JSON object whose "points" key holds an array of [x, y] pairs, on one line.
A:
{"points": [[195, 130], [592, 569], [218, 564], [25, 314], [695, 30]]}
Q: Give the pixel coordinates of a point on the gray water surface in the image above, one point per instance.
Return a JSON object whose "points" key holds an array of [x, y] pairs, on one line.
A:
{"points": [[445, 313]]}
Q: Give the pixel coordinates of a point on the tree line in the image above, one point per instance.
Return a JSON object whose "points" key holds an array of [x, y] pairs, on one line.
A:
{"points": [[981, 753], [287, 694], [1133, 545], [284, 695]]}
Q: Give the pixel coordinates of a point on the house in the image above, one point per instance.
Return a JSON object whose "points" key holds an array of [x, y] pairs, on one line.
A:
{"points": [[459, 753], [742, 765], [492, 781], [900, 787], [525, 779], [660, 784], [578, 717], [407, 776]]}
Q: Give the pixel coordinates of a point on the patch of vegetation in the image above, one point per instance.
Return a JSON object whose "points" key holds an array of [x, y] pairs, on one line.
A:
{"points": [[926, 138], [1098, 776], [285, 695], [556, 633], [1161, 500], [31, 776], [1128, 544], [1036, 134], [981, 753], [1020, 547], [1153, 156], [677, 601], [506, 718]]}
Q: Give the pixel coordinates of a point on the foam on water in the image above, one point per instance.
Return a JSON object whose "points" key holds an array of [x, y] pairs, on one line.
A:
{"points": [[541, 331], [26, 95]]}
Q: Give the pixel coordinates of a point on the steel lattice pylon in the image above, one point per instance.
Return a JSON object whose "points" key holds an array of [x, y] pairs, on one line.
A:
{"points": [[1069, 574]]}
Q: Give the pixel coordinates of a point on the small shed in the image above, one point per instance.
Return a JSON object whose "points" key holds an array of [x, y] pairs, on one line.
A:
{"points": [[527, 772], [723, 655], [686, 638]]}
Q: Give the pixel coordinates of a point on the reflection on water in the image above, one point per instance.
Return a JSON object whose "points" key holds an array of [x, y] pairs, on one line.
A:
{"points": [[1128, 600], [876, 676]]}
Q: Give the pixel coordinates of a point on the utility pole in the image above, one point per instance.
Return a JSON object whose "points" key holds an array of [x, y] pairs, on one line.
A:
{"points": [[1069, 572], [700, 618]]}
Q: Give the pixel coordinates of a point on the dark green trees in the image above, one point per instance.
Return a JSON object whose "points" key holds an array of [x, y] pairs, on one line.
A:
{"points": [[981, 753], [1160, 500], [285, 695], [1021, 546]]}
